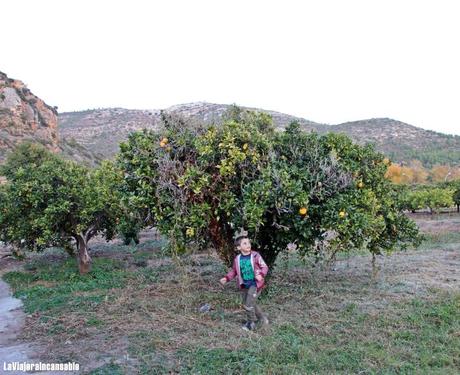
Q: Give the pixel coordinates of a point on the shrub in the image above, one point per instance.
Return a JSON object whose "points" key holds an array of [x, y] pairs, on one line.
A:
{"points": [[48, 201], [200, 184]]}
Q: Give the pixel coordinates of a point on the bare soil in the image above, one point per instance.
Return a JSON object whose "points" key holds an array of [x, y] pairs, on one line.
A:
{"points": [[12, 320], [437, 223]]}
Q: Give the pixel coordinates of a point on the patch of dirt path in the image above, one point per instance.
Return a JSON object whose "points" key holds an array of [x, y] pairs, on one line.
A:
{"points": [[411, 272], [12, 319]]}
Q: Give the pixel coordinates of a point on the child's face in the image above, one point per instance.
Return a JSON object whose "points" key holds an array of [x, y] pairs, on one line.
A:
{"points": [[245, 246]]}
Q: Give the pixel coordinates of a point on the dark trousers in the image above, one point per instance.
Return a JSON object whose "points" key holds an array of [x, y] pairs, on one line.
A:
{"points": [[249, 297]]}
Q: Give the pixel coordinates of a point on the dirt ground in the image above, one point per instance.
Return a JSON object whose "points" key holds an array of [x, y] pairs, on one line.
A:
{"points": [[399, 276], [12, 320], [437, 224]]}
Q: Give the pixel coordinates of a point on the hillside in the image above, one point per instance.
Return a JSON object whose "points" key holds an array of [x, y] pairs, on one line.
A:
{"points": [[403, 142], [103, 129], [26, 117], [23, 116]]}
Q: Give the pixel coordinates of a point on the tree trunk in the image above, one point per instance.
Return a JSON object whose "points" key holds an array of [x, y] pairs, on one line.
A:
{"points": [[84, 260], [266, 249], [222, 240], [69, 249]]}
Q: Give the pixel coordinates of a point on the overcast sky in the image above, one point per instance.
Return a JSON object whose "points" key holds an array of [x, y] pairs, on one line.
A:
{"points": [[326, 61]]}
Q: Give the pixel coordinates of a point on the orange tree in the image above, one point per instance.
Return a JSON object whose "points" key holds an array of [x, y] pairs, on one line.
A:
{"points": [[431, 197], [48, 201], [200, 184], [454, 186]]}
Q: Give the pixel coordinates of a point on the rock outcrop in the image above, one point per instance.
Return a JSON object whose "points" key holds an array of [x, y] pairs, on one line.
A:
{"points": [[24, 116]]}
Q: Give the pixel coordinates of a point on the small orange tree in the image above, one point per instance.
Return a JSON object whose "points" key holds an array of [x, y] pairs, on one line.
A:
{"points": [[433, 198], [48, 201], [202, 183]]}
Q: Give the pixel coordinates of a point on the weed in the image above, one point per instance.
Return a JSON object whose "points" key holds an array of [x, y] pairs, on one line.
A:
{"points": [[415, 337]]}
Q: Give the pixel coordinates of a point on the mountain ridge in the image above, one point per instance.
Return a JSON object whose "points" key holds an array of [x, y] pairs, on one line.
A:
{"points": [[92, 135], [402, 142]]}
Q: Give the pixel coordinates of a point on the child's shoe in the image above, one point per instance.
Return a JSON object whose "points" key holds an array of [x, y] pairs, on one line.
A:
{"points": [[249, 326], [264, 320]]}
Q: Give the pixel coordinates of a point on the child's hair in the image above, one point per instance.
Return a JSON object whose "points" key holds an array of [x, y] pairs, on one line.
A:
{"points": [[239, 239]]}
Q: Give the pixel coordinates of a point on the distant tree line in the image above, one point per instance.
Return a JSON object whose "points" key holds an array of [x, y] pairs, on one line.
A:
{"points": [[428, 158], [414, 173]]}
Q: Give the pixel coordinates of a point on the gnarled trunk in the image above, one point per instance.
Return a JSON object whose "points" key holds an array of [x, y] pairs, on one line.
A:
{"points": [[83, 258]]}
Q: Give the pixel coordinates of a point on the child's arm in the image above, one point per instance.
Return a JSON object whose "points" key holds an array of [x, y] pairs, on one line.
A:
{"points": [[230, 275], [263, 268]]}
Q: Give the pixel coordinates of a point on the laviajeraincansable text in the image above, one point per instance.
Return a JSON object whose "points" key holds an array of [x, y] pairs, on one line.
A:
{"points": [[40, 366]]}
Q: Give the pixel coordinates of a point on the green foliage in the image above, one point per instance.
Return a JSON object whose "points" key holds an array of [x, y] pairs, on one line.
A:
{"points": [[129, 226], [137, 160], [53, 288], [26, 154], [456, 192], [322, 193], [49, 201], [432, 198], [429, 156]]}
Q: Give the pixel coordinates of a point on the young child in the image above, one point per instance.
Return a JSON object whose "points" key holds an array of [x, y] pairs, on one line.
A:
{"points": [[250, 270]]}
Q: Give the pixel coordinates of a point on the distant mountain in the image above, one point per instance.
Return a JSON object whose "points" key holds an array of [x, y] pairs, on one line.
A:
{"points": [[104, 129], [402, 142], [25, 117], [93, 135], [101, 130]]}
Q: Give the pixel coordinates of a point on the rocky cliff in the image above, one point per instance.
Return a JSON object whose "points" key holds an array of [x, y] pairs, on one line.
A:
{"points": [[24, 116]]}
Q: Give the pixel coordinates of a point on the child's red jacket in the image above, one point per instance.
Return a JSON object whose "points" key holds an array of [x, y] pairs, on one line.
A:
{"points": [[258, 265]]}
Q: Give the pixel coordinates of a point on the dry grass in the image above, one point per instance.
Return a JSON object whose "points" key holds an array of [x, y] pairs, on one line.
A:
{"points": [[155, 315]]}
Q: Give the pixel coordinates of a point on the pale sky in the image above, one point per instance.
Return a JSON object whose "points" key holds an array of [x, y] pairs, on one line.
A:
{"points": [[327, 61]]}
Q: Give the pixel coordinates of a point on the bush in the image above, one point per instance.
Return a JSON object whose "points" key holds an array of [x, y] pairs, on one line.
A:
{"points": [[432, 198], [322, 194], [48, 201]]}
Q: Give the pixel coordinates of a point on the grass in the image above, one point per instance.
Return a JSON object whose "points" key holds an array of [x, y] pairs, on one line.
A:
{"points": [[140, 310], [108, 369], [65, 303], [445, 240], [54, 287], [419, 337]]}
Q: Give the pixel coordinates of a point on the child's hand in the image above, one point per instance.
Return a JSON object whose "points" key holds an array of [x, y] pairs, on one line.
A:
{"points": [[223, 281], [259, 277]]}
